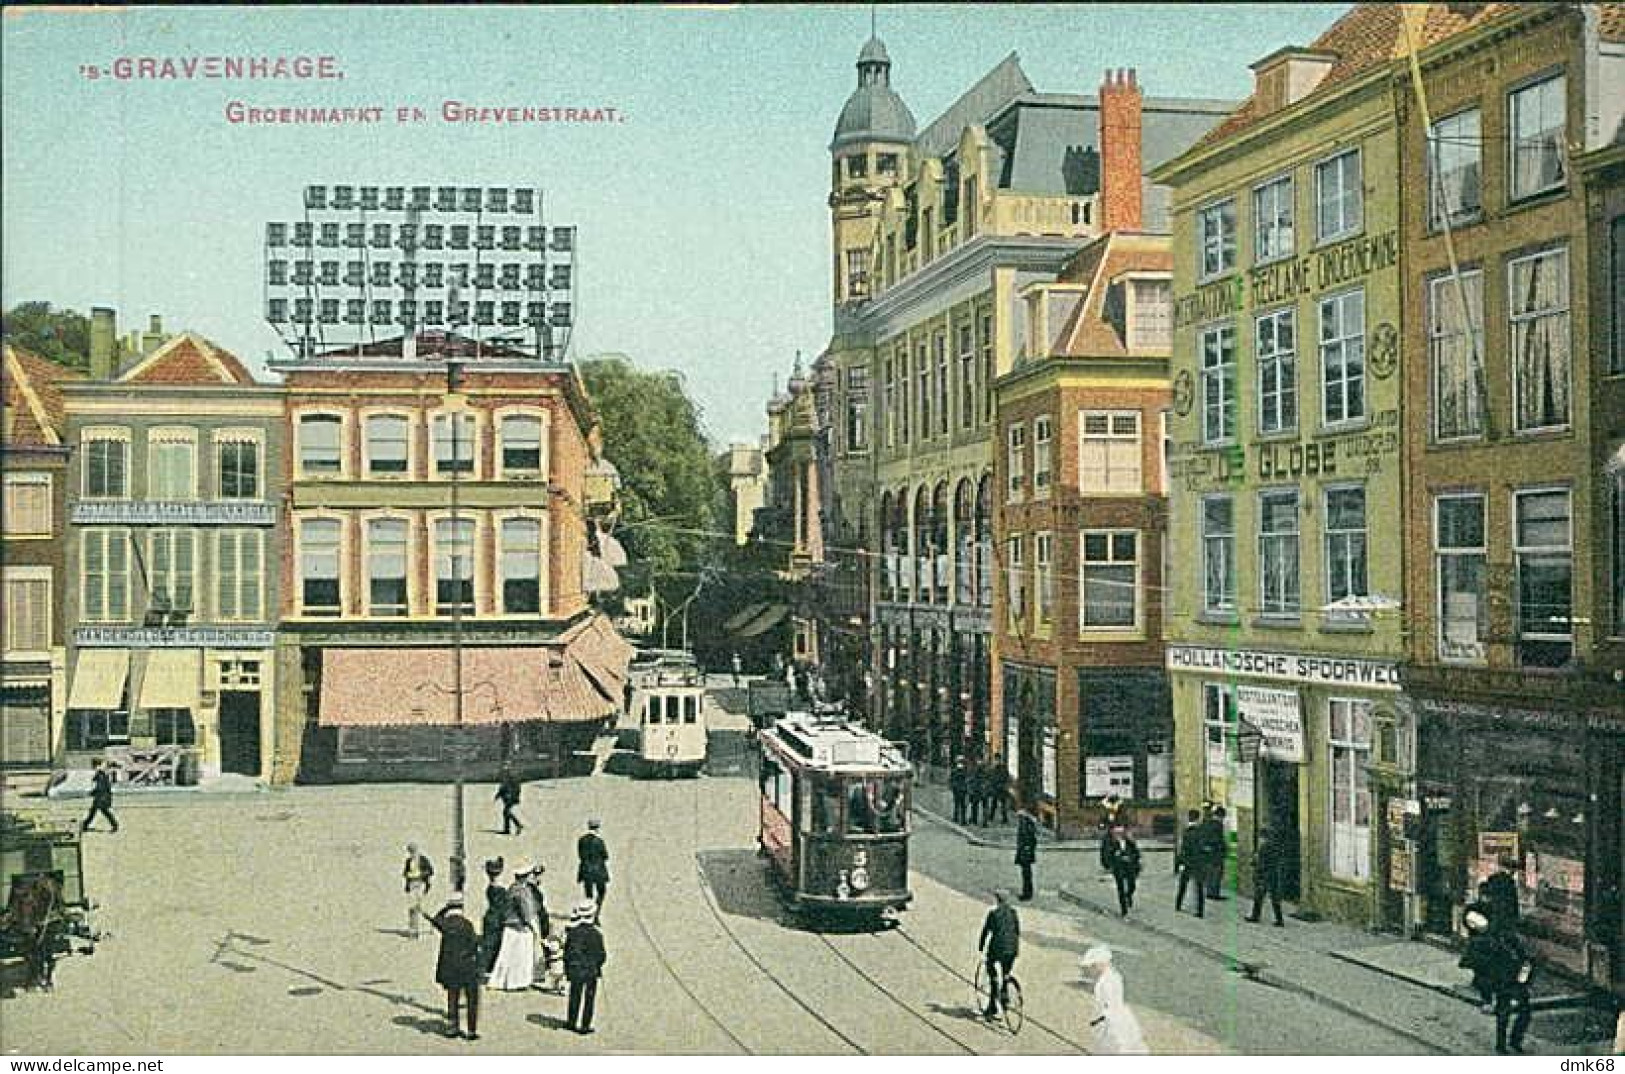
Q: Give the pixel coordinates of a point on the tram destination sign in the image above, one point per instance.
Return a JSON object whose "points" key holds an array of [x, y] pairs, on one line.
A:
{"points": [[1312, 668]]}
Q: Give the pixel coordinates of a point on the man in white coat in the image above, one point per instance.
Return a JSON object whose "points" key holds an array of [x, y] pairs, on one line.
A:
{"points": [[1116, 1029]]}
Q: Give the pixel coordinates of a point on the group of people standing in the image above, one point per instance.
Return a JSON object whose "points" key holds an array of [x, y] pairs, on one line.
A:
{"points": [[514, 949], [980, 790]]}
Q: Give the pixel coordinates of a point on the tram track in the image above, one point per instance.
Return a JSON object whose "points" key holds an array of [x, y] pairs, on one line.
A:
{"points": [[895, 998]]}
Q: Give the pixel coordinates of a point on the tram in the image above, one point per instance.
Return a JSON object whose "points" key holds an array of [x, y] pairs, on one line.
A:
{"points": [[835, 815], [667, 698]]}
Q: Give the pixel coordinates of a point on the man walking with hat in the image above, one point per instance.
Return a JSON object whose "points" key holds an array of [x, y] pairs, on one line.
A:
{"points": [[584, 957], [592, 869], [458, 968]]}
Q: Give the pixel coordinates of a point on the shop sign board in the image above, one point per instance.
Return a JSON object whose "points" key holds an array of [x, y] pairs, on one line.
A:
{"points": [[1108, 775], [174, 637], [1402, 867], [1493, 846], [1307, 668], [1279, 715]]}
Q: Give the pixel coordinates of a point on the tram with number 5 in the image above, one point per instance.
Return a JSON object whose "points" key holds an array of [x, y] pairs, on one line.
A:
{"points": [[834, 815]]}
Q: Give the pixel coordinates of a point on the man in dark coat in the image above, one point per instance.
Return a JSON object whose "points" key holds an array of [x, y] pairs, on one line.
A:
{"points": [[497, 901], [1191, 861], [1269, 875], [592, 868], [1026, 850], [998, 790], [959, 787], [1122, 857], [508, 791], [1481, 957], [458, 969], [101, 797], [1217, 850], [584, 957], [1000, 943], [1501, 969], [1499, 896]]}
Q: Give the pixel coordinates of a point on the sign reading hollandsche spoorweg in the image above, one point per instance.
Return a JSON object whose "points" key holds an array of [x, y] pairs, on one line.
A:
{"points": [[1277, 714], [1288, 667]]}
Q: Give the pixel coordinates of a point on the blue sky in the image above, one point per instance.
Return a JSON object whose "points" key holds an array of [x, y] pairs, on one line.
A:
{"points": [[703, 226]]}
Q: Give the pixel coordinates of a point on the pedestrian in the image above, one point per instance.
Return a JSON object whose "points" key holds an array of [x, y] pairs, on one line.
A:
{"points": [[592, 864], [1116, 1029], [1498, 894], [1509, 972], [739, 666], [584, 957], [975, 780], [1269, 875], [1026, 850], [458, 968], [508, 791], [1191, 863], [101, 796], [1216, 851], [496, 913], [515, 967], [1122, 856], [1480, 957], [999, 944], [999, 790], [418, 873], [959, 787]]}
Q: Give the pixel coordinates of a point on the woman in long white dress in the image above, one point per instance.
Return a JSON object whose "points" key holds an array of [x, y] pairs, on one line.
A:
{"points": [[1116, 1029], [515, 967]]}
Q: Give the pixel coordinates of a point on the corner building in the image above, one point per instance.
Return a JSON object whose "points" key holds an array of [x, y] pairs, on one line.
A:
{"points": [[1286, 466]]}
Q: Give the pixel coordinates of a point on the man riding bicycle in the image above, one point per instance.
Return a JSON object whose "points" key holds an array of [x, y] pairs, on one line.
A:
{"points": [[999, 944]]}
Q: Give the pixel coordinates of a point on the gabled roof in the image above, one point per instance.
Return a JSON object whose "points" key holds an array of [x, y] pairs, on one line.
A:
{"points": [[1093, 331], [188, 359], [33, 396]]}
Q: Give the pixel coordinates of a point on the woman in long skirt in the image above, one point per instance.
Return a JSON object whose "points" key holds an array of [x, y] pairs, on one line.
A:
{"points": [[515, 967], [1116, 1029]]}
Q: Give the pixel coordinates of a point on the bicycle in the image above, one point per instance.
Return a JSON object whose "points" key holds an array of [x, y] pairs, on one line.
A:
{"points": [[982, 987]]}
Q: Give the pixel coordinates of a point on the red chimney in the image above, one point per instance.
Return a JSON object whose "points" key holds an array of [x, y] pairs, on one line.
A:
{"points": [[1120, 151]]}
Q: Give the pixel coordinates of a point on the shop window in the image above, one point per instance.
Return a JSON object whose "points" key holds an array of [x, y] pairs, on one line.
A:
{"points": [[27, 508], [1218, 350], [1278, 552], [1454, 170], [386, 566], [1538, 148], [521, 444], [1349, 741], [104, 567], [1016, 461], [388, 442], [319, 541], [1272, 220], [1338, 197], [1459, 566], [92, 729], [1041, 456], [1456, 354], [238, 463], [1127, 721], [1544, 553], [1345, 543], [172, 466], [240, 575], [521, 566], [173, 727], [1110, 579], [1275, 344], [1218, 554], [1109, 451], [1538, 294], [319, 445], [1342, 358], [1216, 239], [1219, 755]]}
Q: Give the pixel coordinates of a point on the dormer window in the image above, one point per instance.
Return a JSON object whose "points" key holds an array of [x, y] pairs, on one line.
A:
{"points": [[886, 164], [857, 167]]}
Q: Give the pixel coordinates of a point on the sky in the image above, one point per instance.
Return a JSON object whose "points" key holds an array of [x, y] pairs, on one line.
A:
{"points": [[703, 228]]}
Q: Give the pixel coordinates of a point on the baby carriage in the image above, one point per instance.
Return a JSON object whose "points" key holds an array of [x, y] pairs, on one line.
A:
{"points": [[550, 966]]}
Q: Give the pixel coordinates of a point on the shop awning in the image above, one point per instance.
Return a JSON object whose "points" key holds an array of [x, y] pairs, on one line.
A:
{"points": [[770, 617], [98, 678], [172, 680]]}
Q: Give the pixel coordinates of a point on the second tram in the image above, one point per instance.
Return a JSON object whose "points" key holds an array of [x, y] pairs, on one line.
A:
{"points": [[667, 697]]}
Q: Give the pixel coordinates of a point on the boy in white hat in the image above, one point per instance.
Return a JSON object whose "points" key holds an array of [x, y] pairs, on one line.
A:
{"points": [[583, 963]]}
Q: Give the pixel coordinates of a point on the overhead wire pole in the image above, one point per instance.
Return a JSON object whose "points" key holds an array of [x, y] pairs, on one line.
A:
{"points": [[459, 838]]}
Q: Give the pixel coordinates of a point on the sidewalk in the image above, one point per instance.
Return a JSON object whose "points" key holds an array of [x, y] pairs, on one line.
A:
{"points": [[937, 802], [1408, 987]]}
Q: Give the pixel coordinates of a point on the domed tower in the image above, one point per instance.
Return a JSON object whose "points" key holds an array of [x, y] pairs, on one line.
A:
{"points": [[870, 153]]}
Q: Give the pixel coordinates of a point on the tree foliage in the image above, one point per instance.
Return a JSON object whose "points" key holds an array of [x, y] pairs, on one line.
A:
{"points": [[62, 336]]}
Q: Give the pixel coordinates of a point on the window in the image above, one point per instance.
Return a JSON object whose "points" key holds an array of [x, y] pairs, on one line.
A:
{"points": [[1109, 451], [967, 378], [986, 338], [857, 409], [889, 400], [1041, 456], [1218, 554], [521, 566], [388, 443], [1617, 487], [454, 565], [1537, 123], [27, 508], [454, 443], [173, 727], [1544, 554], [1218, 384], [386, 566], [28, 610], [1043, 579], [1454, 168], [857, 272], [886, 163], [521, 444], [1219, 732], [922, 370], [171, 466], [939, 344], [172, 569], [1349, 741], [106, 467], [857, 167], [1338, 199], [1459, 565], [1110, 579], [1342, 358], [105, 575], [319, 540], [1016, 581], [1538, 297], [1345, 543], [1276, 347], [1216, 239], [239, 568], [1017, 460], [319, 439], [903, 392], [1616, 284], [1456, 353], [1152, 325], [1278, 552], [238, 463], [1272, 220]]}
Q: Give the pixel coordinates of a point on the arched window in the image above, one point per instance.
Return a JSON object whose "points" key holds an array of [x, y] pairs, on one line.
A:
{"points": [[965, 542], [923, 556], [984, 541], [942, 559]]}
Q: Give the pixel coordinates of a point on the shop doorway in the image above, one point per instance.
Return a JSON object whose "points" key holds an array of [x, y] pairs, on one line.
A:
{"points": [[240, 732], [1279, 806]]}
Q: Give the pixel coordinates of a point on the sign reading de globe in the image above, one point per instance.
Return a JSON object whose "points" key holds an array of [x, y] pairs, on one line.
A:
{"points": [[1288, 667], [1278, 714]]}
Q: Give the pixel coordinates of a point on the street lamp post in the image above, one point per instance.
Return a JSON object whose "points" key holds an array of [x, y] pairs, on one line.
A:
{"points": [[459, 826]]}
